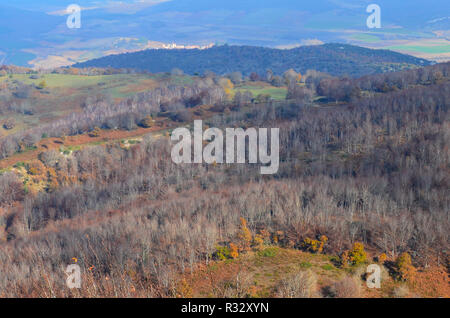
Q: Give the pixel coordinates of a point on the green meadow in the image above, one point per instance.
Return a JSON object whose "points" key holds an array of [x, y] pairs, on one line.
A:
{"points": [[277, 93], [437, 49]]}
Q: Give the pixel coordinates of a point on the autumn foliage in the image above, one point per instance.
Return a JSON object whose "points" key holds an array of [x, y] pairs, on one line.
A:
{"points": [[244, 236], [258, 242], [382, 258], [234, 251], [355, 256], [315, 246], [95, 132], [404, 267]]}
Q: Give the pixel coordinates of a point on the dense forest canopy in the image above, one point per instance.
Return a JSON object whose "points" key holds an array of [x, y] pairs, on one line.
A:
{"points": [[335, 59]]}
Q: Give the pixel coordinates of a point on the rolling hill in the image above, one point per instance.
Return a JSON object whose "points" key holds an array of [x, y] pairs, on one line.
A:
{"points": [[336, 59]]}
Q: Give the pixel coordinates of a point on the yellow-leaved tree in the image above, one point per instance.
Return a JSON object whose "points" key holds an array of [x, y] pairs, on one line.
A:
{"points": [[404, 267], [357, 255], [227, 86], [234, 253], [244, 236]]}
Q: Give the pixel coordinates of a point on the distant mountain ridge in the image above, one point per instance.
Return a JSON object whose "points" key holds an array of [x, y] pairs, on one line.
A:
{"points": [[334, 58], [34, 33]]}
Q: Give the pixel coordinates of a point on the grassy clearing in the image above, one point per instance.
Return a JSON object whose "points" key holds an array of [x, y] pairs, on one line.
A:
{"points": [[277, 93], [266, 268], [65, 93], [118, 85], [61, 80]]}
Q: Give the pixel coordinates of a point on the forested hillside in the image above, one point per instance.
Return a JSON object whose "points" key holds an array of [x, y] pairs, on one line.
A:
{"points": [[364, 166], [335, 59]]}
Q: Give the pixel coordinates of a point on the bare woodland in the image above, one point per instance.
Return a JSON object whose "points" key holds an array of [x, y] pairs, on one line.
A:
{"points": [[367, 163]]}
